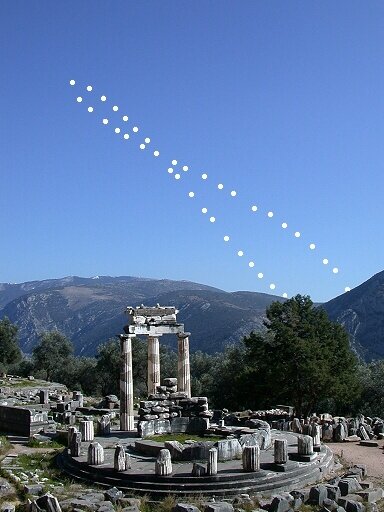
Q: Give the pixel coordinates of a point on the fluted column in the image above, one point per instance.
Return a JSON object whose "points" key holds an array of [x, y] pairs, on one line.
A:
{"points": [[126, 383], [212, 462], [281, 451], [251, 458], [183, 368], [305, 445], [153, 364]]}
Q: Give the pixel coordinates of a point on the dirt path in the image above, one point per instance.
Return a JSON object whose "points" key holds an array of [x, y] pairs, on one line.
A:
{"points": [[373, 458]]}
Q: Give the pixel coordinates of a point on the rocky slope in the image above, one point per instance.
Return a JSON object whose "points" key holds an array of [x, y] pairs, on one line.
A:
{"points": [[90, 311], [361, 312]]}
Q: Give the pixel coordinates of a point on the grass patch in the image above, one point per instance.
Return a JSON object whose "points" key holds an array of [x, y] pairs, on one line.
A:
{"points": [[162, 438], [35, 443], [4, 445]]}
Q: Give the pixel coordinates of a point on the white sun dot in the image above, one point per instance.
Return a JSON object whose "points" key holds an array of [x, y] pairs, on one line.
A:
{"points": [[125, 118], [312, 246], [185, 168], [272, 286], [284, 225], [297, 234], [89, 88], [142, 146], [115, 108], [177, 176], [170, 170], [174, 162], [135, 129], [126, 136], [240, 253], [270, 214], [285, 295], [103, 98], [254, 208], [335, 270], [117, 130], [251, 264], [79, 99], [204, 176], [220, 186], [204, 210], [347, 289], [325, 261], [191, 194], [72, 82], [233, 193], [90, 109], [260, 275], [147, 140], [105, 121], [212, 219], [226, 238], [156, 153]]}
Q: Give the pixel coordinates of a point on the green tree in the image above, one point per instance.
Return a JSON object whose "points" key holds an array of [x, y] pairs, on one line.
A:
{"points": [[302, 359], [52, 354], [10, 352]]}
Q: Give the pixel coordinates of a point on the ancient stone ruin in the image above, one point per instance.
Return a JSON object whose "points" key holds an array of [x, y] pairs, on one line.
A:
{"points": [[152, 322]]}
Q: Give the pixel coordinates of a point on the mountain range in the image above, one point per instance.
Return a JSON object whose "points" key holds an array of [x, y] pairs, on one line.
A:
{"points": [[91, 310]]}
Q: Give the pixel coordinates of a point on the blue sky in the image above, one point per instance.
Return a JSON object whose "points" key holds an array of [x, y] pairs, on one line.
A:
{"points": [[281, 102]]}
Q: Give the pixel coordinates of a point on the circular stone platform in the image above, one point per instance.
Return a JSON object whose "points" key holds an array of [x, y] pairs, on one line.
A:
{"points": [[230, 480]]}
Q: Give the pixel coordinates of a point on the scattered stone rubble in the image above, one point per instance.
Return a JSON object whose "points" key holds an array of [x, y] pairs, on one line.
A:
{"points": [[169, 410], [350, 492], [336, 429]]}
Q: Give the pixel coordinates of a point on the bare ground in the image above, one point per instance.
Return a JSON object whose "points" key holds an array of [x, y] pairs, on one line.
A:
{"points": [[353, 453]]}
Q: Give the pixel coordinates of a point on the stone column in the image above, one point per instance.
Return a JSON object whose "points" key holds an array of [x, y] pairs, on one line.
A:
{"points": [[71, 432], [183, 369], [212, 462], [119, 458], [316, 435], [75, 446], [104, 425], [281, 451], [126, 383], [153, 364], [305, 445], [95, 454], [44, 396], [251, 458], [87, 430], [163, 464]]}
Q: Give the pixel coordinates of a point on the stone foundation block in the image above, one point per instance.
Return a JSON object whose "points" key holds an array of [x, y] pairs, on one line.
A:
{"points": [[351, 505], [349, 486], [317, 494]]}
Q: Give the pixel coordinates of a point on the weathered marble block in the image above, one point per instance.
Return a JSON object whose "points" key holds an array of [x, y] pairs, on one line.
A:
{"points": [[212, 462], [87, 430], [163, 464], [75, 446], [251, 458], [119, 458], [281, 451], [95, 454], [305, 445], [229, 449], [104, 425]]}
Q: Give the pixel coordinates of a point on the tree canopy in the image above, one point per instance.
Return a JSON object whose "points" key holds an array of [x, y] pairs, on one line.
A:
{"points": [[303, 359], [52, 354], [10, 352]]}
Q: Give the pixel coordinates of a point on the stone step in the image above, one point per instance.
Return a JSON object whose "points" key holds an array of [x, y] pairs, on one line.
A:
{"points": [[189, 486]]}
